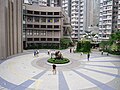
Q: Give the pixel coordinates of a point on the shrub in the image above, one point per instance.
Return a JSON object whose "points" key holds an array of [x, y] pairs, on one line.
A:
{"points": [[58, 61], [83, 46], [65, 43]]}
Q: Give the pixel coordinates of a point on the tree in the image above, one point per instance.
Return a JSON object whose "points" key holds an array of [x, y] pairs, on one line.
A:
{"points": [[114, 41], [104, 45], [83, 46], [64, 43]]}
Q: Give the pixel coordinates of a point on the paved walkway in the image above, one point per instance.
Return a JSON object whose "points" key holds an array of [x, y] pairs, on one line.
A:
{"points": [[25, 72]]}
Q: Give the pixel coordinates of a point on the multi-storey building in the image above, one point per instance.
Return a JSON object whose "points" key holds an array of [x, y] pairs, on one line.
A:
{"points": [[44, 26], [119, 15], [108, 18], [10, 27], [54, 3], [96, 13], [66, 5], [75, 18], [82, 17], [36, 2]]}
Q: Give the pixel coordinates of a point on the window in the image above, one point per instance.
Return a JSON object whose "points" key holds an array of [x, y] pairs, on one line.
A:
{"points": [[36, 39], [29, 39], [56, 13], [43, 39], [36, 26], [24, 32], [56, 39], [36, 19], [76, 26], [56, 20], [29, 26], [56, 26], [43, 26], [56, 33], [36, 33], [43, 33], [50, 20], [43, 13], [29, 32], [29, 19], [24, 18], [50, 13], [24, 25], [36, 12], [29, 12], [49, 26], [24, 11], [49, 33], [49, 39], [43, 19]]}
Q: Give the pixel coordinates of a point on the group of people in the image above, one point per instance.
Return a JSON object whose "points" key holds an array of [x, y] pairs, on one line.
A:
{"points": [[36, 52], [51, 53]]}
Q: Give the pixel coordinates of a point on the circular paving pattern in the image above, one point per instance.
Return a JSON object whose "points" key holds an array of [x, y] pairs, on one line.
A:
{"points": [[26, 72]]}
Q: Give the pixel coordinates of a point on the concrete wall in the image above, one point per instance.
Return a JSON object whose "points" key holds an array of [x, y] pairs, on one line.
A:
{"points": [[10, 27]]}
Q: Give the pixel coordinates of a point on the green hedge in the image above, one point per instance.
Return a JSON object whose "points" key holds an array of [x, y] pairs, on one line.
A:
{"points": [[41, 46], [114, 52], [58, 61]]}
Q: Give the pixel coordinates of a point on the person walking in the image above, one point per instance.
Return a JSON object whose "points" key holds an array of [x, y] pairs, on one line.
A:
{"points": [[34, 53], [70, 50], [107, 54], [37, 51], [52, 53], [54, 69], [88, 56], [48, 52], [102, 52]]}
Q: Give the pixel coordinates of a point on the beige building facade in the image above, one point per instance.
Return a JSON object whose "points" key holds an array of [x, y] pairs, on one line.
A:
{"points": [[10, 28], [44, 26]]}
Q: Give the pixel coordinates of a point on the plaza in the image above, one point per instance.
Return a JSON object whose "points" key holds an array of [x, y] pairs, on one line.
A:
{"points": [[88, 28], [26, 72]]}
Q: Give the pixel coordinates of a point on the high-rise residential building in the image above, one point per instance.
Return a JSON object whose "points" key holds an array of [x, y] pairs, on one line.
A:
{"points": [[75, 18], [43, 27], [108, 21], [82, 17], [96, 12], [119, 15], [10, 27], [54, 3], [66, 6], [36, 2]]}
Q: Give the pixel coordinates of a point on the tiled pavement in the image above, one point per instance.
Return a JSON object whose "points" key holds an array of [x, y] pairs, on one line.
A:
{"points": [[25, 72]]}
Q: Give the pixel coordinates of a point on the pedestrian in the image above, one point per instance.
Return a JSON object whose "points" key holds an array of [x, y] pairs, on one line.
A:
{"points": [[48, 52], [52, 53], [37, 52], [81, 53], [70, 50], [88, 56], [54, 69], [34, 53], [107, 54], [102, 52]]}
